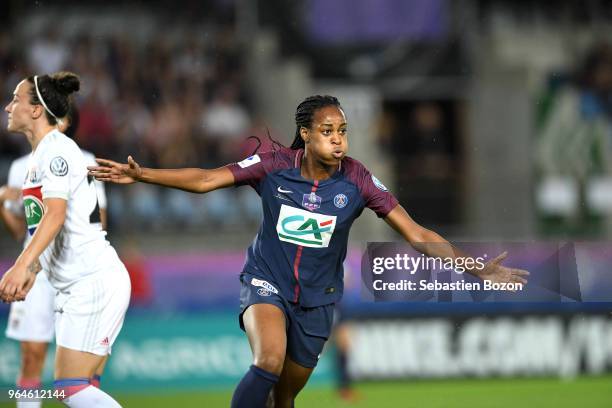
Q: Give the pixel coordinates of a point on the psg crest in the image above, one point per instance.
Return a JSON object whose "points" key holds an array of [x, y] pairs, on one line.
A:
{"points": [[340, 200]]}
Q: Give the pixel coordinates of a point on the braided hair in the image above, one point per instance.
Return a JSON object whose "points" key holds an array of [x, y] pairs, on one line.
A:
{"points": [[304, 113], [303, 118]]}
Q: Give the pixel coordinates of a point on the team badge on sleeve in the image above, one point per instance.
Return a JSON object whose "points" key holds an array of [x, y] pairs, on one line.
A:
{"points": [[378, 184], [34, 207], [59, 166], [249, 161], [265, 287]]}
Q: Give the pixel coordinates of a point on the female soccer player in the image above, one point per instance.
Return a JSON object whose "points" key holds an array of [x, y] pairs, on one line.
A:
{"points": [[32, 321], [311, 193], [67, 241]]}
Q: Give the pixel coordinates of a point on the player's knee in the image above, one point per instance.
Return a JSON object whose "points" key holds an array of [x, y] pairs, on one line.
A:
{"points": [[272, 362], [33, 357]]}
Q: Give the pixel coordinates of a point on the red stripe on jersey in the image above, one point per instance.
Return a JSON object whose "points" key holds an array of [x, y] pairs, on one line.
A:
{"points": [[296, 272], [298, 256], [33, 191], [326, 223], [315, 185]]}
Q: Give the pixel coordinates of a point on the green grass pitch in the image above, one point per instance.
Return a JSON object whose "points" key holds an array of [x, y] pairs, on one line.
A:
{"points": [[584, 392]]}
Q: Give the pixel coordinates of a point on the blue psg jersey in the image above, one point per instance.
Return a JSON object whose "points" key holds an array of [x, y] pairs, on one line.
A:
{"points": [[301, 244]]}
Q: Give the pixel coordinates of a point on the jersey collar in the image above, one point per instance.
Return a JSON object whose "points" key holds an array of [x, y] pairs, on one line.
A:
{"points": [[297, 163], [45, 139]]}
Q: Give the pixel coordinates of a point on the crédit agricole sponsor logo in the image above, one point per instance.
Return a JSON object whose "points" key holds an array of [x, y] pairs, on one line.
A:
{"points": [[305, 228]]}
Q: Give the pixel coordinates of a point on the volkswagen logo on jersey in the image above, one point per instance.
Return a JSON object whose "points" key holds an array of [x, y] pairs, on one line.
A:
{"points": [[340, 200], [378, 184], [311, 201], [305, 228], [58, 166]]}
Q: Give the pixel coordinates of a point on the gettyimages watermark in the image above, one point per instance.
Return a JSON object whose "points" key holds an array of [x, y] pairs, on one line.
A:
{"points": [[412, 264], [488, 272]]}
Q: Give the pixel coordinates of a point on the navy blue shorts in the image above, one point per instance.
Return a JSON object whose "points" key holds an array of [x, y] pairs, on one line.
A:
{"points": [[308, 328]]}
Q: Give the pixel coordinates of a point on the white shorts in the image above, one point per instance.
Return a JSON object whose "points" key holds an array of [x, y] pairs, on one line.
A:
{"points": [[90, 313], [34, 318]]}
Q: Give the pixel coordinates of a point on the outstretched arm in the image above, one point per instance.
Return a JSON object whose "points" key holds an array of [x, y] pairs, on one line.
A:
{"points": [[433, 245], [420, 238], [190, 179]]}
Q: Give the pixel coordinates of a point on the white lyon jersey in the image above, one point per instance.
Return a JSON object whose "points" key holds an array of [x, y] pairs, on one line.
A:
{"points": [[58, 169], [17, 174]]}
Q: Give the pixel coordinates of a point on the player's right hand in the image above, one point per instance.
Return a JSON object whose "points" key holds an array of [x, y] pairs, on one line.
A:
{"points": [[16, 283], [114, 172]]}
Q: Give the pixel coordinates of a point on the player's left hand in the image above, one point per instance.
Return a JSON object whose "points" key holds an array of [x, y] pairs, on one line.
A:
{"points": [[16, 283], [495, 272]]}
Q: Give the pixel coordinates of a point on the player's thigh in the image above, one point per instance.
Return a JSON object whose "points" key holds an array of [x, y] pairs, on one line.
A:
{"points": [[100, 369], [265, 327], [76, 364], [292, 380]]}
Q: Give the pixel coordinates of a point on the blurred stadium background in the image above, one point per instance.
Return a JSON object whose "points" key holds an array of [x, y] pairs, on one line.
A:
{"points": [[491, 120]]}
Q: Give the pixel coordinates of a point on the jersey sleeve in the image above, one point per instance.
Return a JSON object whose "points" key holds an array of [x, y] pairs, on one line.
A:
{"points": [[99, 185], [57, 168], [253, 169], [377, 197], [100, 193], [374, 193], [16, 176]]}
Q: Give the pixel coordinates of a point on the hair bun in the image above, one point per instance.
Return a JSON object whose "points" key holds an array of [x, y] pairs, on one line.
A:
{"points": [[66, 82]]}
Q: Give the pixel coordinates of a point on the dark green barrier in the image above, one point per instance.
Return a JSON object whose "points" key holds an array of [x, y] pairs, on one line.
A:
{"points": [[187, 352]]}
